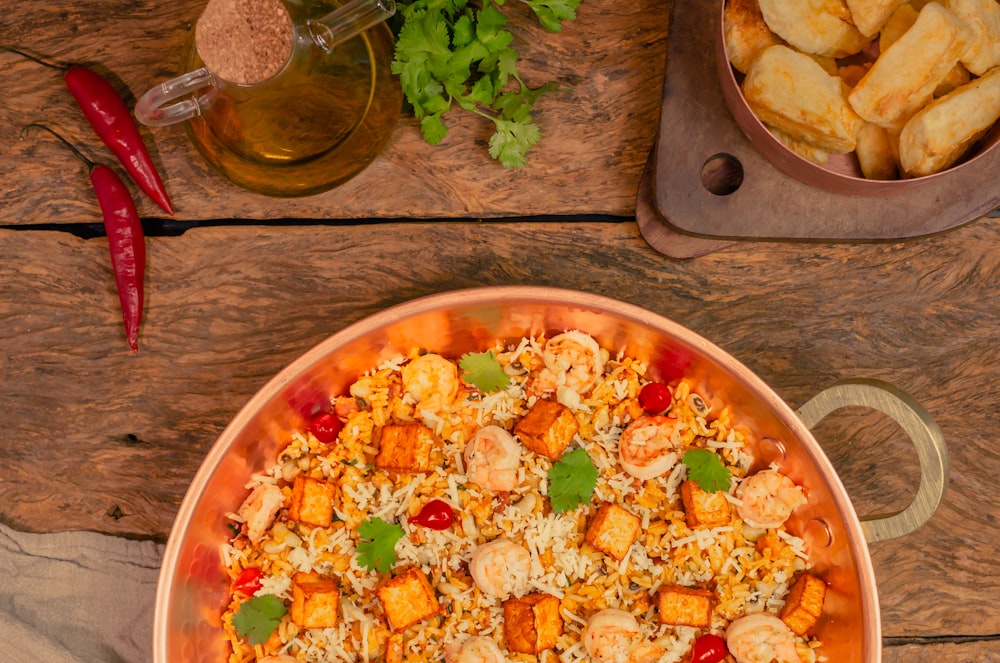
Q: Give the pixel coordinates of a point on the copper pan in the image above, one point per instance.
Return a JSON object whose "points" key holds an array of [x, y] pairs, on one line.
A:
{"points": [[841, 173], [192, 586]]}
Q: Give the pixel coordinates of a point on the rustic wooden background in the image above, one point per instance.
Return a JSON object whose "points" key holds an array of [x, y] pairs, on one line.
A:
{"points": [[93, 437], [596, 132]]}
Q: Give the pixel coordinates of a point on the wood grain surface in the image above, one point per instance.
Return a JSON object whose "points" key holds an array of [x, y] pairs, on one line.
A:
{"points": [[97, 438], [596, 131]]}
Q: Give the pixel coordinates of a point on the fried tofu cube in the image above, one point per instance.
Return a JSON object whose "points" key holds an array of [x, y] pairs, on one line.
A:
{"points": [[405, 448], [315, 601], [612, 530], [547, 428], [312, 501], [804, 603], [532, 623], [702, 508], [407, 599], [685, 606]]}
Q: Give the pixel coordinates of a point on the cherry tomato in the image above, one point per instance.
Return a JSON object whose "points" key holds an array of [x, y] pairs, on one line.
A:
{"points": [[325, 427], [655, 398], [708, 648], [436, 514], [248, 581]]}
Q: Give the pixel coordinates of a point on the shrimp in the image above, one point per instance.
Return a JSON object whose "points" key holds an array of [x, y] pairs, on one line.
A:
{"points": [[614, 636], [478, 649], [572, 359], [259, 509], [500, 568], [767, 499], [492, 458], [761, 638], [648, 448], [431, 380]]}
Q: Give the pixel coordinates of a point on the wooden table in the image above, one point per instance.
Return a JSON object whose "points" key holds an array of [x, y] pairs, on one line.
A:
{"points": [[96, 438]]}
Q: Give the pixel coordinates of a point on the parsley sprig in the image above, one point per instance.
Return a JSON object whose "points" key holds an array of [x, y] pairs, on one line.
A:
{"points": [[483, 371], [452, 52], [257, 618], [377, 547], [572, 480], [707, 470]]}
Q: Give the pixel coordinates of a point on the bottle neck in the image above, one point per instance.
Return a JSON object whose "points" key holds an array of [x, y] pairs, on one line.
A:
{"points": [[348, 20]]}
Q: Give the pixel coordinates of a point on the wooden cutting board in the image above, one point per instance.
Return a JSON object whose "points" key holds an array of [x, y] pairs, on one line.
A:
{"points": [[696, 127]]}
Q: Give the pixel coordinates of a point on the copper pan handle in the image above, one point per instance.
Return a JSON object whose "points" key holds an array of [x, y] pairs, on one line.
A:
{"points": [[923, 432]]}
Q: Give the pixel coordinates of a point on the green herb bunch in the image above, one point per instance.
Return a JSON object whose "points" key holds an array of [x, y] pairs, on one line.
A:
{"points": [[456, 52]]}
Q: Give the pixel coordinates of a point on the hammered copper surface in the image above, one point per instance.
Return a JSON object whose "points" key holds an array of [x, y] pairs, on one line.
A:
{"points": [[193, 589]]}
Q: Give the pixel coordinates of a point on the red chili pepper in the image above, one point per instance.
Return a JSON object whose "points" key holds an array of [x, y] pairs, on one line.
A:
{"points": [[125, 238], [111, 119], [436, 514], [325, 427], [248, 581], [708, 648]]}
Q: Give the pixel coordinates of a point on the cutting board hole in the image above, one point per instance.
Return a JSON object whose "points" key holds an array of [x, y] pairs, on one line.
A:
{"points": [[722, 174]]}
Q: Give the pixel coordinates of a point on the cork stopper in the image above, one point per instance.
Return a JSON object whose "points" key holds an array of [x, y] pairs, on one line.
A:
{"points": [[244, 41]]}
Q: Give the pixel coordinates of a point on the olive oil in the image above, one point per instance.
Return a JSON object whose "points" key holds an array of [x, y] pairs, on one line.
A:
{"points": [[320, 121]]}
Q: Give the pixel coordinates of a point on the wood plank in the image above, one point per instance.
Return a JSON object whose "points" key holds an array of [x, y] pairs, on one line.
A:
{"points": [[597, 131], [96, 438], [982, 651]]}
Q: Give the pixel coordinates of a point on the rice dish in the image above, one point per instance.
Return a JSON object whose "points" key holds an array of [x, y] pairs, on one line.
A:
{"points": [[432, 518]]}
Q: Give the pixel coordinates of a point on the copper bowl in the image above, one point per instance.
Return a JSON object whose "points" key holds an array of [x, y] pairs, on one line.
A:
{"points": [[841, 173], [193, 588]]}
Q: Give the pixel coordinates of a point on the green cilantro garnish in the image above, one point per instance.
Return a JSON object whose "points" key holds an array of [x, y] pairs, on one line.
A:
{"points": [[571, 481], [483, 371], [706, 469], [377, 548], [457, 52], [551, 13], [257, 618]]}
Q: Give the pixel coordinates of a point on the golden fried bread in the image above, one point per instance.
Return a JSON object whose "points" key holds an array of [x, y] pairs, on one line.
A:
{"points": [[939, 134], [791, 92], [870, 15], [822, 27], [983, 18], [906, 74], [746, 33]]}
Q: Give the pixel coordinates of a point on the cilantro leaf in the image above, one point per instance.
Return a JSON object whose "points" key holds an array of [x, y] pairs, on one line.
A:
{"points": [[453, 53], [572, 480], [512, 140], [483, 371], [377, 548], [706, 469], [257, 618], [552, 13]]}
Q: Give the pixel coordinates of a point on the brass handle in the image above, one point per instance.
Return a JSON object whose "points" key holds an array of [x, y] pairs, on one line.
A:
{"points": [[923, 432]]}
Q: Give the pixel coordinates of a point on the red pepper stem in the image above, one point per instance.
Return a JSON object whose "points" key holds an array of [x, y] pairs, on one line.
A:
{"points": [[90, 164], [33, 58]]}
